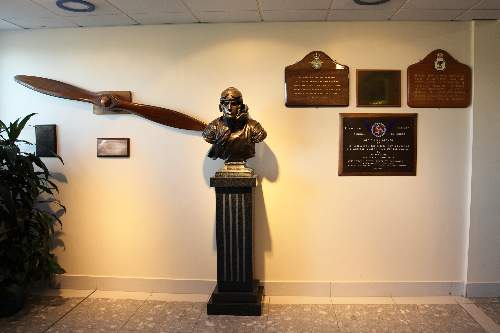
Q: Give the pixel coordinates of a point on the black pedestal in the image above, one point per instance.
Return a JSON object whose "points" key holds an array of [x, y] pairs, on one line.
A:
{"points": [[236, 293]]}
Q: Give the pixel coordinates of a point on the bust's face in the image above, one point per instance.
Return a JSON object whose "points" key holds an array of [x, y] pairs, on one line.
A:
{"points": [[231, 106]]}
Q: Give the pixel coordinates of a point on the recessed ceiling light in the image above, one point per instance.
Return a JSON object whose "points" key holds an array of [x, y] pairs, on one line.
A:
{"points": [[370, 2], [77, 6]]}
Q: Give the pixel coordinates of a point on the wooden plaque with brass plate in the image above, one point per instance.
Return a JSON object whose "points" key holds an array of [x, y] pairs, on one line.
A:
{"points": [[439, 81], [317, 80]]}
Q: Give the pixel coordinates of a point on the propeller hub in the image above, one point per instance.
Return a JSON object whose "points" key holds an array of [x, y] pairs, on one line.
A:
{"points": [[105, 101]]}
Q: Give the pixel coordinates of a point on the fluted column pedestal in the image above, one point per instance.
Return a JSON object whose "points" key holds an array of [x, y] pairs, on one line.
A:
{"points": [[236, 293]]}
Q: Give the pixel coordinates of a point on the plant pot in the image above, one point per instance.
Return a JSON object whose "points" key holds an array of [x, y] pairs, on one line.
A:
{"points": [[12, 299]]}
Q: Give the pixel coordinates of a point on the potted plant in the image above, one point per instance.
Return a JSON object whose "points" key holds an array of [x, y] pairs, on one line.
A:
{"points": [[29, 214]]}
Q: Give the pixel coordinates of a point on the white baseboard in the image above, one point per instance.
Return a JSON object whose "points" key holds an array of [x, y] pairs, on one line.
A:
{"points": [[483, 289], [151, 285], [278, 288], [297, 288], [397, 289]]}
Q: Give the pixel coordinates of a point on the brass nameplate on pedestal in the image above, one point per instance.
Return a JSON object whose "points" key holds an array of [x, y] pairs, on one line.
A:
{"points": [[317, 80], [439, 81], [378, 144]]}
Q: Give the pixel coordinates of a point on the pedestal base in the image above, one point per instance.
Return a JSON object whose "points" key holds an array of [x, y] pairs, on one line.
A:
{"points": [[236, 303]]}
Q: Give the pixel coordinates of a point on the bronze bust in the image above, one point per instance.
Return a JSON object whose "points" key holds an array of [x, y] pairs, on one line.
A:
{"points": [[233, 135]]}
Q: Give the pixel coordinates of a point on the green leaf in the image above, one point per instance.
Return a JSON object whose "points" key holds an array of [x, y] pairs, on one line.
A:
{"points": [[40, 164], [29, 212], [19, 126]]}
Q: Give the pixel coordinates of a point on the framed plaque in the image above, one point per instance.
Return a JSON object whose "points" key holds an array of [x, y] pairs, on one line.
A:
{"points": [[439, 81], [46, 140], [378, 144], [317, 80], [378, 87], [113, 147]]}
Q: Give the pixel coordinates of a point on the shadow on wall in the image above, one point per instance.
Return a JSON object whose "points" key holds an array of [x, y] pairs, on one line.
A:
{"points": [[266, 167], [57, 239]]}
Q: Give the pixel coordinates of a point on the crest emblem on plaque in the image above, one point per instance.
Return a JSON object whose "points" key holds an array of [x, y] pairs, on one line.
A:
{"points": [[316, 62], [378, 130], [440, 63]]}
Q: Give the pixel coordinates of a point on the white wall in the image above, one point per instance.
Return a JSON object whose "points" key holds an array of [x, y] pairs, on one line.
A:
{"points": [[152, 215], [484, 247]]}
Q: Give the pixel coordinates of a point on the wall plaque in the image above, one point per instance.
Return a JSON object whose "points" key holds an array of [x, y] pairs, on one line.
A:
{"points": [[378, 87], [439, 81], [378, 144], [113, 147], [317, 80], [46, 140]]}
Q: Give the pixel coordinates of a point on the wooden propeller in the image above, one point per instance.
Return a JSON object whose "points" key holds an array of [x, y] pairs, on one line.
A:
{"points": [[111, 102]]}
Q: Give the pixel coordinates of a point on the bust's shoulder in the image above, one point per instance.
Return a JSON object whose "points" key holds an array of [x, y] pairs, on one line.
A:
{"points": [[253, 122], [216, 122]]}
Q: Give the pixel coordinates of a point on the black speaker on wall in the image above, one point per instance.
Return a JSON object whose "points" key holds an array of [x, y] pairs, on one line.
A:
{"points": [[46, 140]]}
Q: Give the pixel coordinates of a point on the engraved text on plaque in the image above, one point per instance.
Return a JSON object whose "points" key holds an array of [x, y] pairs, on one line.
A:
{"points": [[317, 80], [439, 81], [378, 144]]}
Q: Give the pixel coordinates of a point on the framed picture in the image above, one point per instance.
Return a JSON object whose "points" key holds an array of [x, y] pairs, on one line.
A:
{"points": [[113, 147], [46, 140], [378, 144], [378, 88]]}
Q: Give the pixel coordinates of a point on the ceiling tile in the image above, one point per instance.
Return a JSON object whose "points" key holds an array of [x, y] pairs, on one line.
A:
{"points": [[480, 15], [440, 4], [488, 4], [294, 4], [42, 22], [232, 16], [22, 9], [350, 4], [221, 5], [102, 7], [4, 25], [426, 15], [163, 18], [102, 20], [294, 15], [359, 15], [149, 6]]}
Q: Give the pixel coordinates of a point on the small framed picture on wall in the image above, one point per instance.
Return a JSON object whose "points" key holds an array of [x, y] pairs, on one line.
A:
{"points": [[113, 147], [378, 88]]}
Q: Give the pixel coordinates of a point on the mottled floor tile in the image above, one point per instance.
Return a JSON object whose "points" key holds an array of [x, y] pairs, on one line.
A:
{"points": [[99, 313], [38, 314], [156, 316], [371, 318], [79, 330], [449, 318], [301, 318], [230, 324], [492, 310]]}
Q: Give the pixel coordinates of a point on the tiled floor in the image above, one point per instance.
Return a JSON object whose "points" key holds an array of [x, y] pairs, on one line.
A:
{"points": [[98, 311]]}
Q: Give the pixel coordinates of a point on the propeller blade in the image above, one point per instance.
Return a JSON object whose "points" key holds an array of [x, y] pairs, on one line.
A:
{"points": [[112, 102], [57, 89], [161, 115]]}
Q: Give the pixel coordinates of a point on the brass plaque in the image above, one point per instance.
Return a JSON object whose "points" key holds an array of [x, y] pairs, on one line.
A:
{"points": [[378, 144], [439, 81], [317, 80], [378, 88]]}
